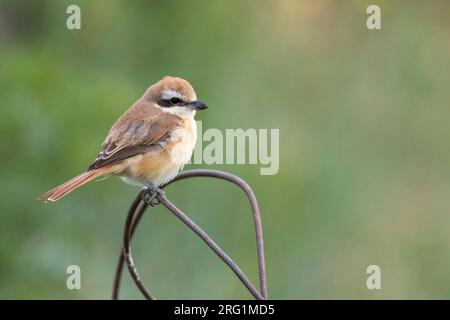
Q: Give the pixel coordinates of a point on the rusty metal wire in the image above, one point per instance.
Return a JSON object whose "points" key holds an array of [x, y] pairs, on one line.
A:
{"points": [[138, 208]]}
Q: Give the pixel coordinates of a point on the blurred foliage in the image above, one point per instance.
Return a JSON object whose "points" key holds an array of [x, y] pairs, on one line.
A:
{"points": [[364, 151]]}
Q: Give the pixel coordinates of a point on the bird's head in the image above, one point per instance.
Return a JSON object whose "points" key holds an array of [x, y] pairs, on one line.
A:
{"points": [[175, 95]]}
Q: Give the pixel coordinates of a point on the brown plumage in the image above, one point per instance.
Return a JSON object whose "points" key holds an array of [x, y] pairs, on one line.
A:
{"points": [[150, 142]]}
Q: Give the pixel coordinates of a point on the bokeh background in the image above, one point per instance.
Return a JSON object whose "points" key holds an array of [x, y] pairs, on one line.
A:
{"points": [[364, 145]]}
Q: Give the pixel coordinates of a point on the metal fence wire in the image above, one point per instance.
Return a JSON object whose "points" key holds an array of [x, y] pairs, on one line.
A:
{"points": [[141, 203]]}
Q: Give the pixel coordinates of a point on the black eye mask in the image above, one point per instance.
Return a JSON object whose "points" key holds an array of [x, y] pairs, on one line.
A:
{"points": [[167, 103]]}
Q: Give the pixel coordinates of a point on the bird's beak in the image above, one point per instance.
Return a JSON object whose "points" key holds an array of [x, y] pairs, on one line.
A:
{"points": [[198, 105]]}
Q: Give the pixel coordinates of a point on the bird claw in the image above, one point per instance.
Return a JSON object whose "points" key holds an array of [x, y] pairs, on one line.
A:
{"points": [[151, 194]]}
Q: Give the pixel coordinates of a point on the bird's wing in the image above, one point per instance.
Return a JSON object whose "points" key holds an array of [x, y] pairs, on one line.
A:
{"points": [[133, 137]]}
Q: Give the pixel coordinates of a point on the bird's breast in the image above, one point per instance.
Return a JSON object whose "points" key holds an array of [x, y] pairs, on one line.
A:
{"points": [[162, 164], [182, 142]]}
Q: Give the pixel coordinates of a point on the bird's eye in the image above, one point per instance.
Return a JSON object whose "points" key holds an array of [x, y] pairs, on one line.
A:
{"points": [[175, 100]]}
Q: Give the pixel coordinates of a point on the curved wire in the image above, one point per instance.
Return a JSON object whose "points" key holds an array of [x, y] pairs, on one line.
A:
{"points": [[133, 220]]}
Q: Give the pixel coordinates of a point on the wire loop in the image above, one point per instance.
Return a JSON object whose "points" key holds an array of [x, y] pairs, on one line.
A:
{"points": [[138, 207]]}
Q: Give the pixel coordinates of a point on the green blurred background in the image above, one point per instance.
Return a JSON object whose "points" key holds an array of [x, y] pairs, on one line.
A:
{"points": [[364, 145]]}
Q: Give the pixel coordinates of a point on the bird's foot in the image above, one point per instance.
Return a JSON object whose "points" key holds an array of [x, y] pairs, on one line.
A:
{"points": [[151, 194]]}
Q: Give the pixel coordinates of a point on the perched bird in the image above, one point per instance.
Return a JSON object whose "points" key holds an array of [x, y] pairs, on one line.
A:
{"points": [[150, 143]]}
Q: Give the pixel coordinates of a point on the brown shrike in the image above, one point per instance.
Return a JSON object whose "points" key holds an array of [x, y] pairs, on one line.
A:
{"points": [[150, 143]]}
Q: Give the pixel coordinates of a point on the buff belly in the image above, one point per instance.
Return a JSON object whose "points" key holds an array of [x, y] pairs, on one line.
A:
{"points": [[153, 167]]}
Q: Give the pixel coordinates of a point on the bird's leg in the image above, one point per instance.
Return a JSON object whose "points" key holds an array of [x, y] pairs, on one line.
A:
{"points": [[151, 193]]}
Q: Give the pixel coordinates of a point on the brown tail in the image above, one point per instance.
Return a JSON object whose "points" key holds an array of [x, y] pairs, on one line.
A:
{"points": [[70, 185]]}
